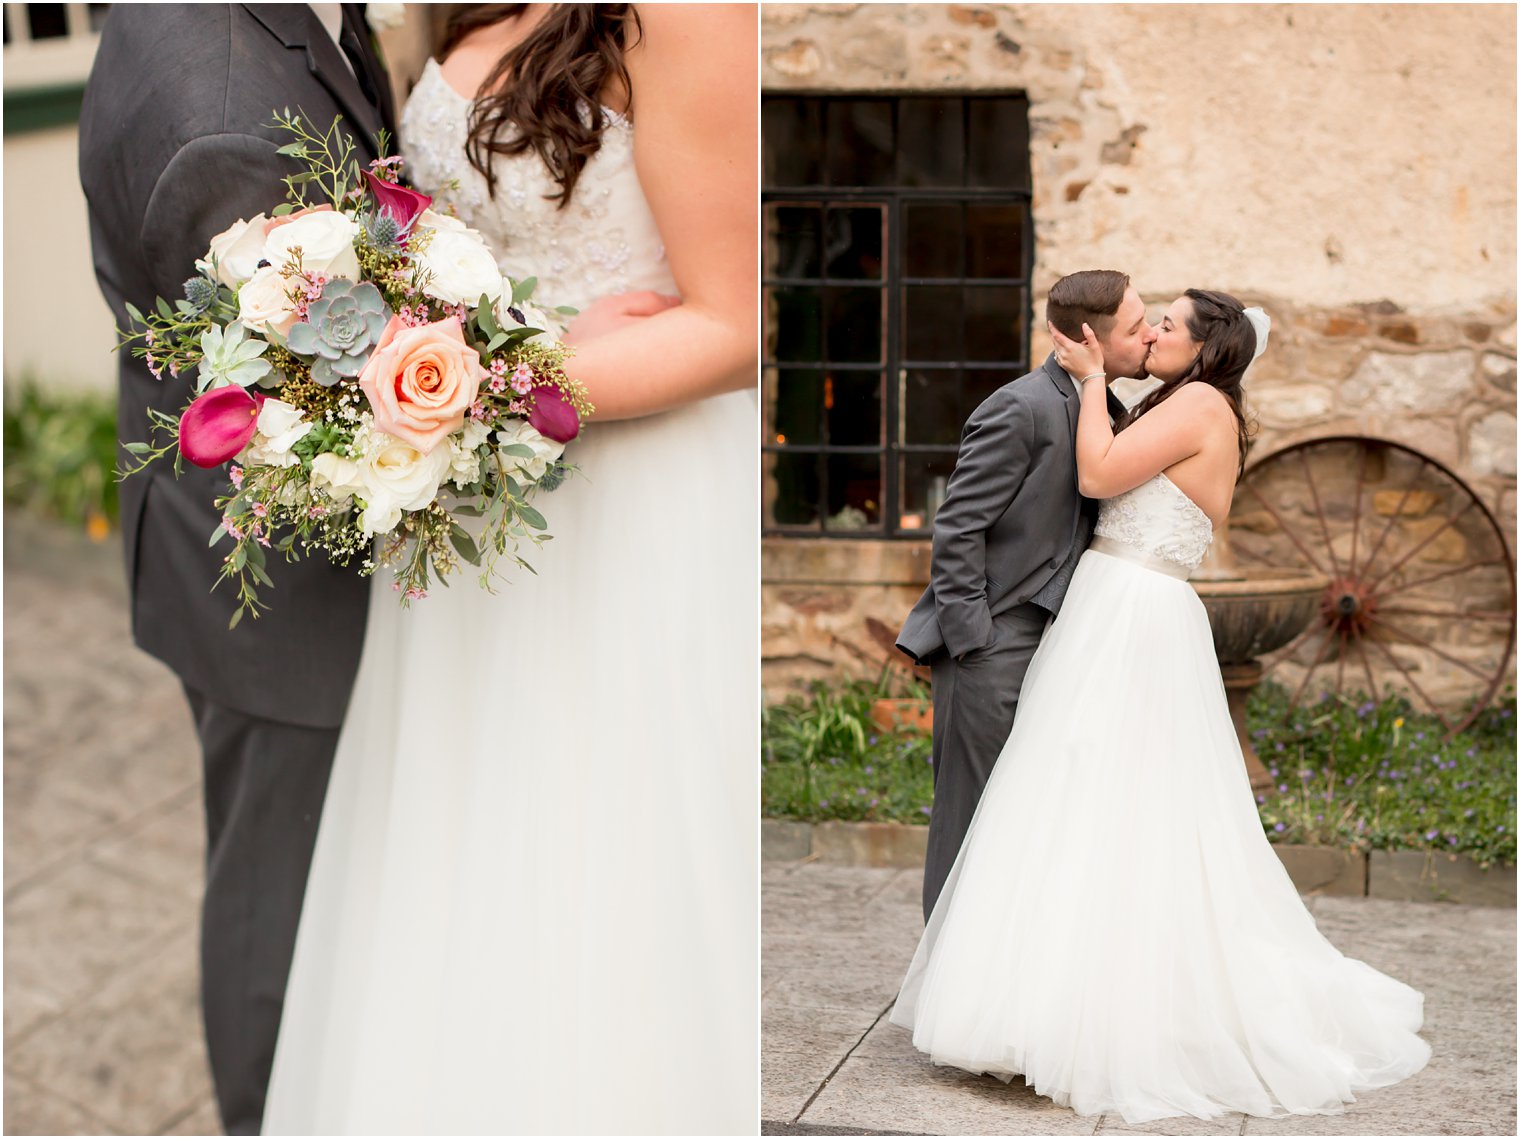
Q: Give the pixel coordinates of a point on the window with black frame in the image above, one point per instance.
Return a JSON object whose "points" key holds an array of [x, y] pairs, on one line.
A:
{"points": [[898, 250]]}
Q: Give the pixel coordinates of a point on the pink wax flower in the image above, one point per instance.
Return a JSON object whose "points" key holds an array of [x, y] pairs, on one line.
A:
{"points": [[218, 425]]}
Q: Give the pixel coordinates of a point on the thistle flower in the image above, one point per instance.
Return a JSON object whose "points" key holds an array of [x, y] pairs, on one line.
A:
{"points": [[200, 292], [383, 232]]}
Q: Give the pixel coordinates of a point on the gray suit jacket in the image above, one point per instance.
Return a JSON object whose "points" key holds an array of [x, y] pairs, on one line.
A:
{"points": [[173, 148], [1010, 515]]}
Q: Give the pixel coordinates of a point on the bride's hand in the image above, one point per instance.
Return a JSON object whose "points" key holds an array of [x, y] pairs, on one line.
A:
{"points": [[1080, 358], [609, 314]]}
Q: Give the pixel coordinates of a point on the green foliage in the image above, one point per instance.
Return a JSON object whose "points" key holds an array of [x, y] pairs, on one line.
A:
{"points": [[60, 452], [823, 758], [1352, 773], [1365, 775]]}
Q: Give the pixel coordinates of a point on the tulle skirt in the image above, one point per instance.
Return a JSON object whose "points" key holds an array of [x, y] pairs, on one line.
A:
{"points": [[1116, 928], [533, 905]]}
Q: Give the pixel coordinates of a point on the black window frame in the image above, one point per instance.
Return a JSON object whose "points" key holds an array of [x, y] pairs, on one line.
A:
{"points": [[894, 198]]}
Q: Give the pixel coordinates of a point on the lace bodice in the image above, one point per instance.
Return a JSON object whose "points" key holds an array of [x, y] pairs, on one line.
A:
{"points": [[604, 242], [1159, 520]]}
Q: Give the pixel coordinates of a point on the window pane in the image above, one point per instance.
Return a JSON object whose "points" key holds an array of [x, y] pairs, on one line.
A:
{"points": [[931, 316], [793, 150], [98, 16], [924, 480], [994, 323], [994, 240], [933, 143], [852, 242], [794, 240], [860, 146], [47, 21], [855, 320], [998, 154], [979, 383], [852, 406], [797, 410], [791, 488], [854, 489], [795, 320], [931, 406], [933, 238]]}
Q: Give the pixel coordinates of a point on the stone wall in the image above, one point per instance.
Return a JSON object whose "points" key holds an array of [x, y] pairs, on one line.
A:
{"points": [[1337, 164]]}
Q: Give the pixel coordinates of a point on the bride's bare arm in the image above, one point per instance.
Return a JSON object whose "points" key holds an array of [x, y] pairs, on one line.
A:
{"points": [[694, 105]]}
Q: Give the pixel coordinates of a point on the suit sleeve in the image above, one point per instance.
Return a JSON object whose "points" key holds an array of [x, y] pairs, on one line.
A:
{"points": [[995, 453], [211, 182]]}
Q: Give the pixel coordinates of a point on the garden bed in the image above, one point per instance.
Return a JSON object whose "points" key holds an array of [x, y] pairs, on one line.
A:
{"points": [[1365, 790]]}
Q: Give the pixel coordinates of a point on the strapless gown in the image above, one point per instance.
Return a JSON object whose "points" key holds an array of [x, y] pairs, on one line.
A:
{"points": [[533, 904], [1116, 928]]}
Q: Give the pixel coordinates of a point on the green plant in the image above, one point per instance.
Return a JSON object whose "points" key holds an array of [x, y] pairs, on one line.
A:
{"points": [[60, 454]]}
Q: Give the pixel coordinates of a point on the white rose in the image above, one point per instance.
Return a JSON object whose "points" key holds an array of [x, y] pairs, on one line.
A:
{"points": [[519, 432], [264, 302], [382, 17], [435, 220], [326, 238], [236, 250], [341, 478], [532, 316], [465, 466], [280, 428], [462, 268], [399, 477]]}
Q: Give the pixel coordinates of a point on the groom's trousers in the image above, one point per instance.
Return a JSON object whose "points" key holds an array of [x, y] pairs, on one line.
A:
{"points": [[975, 697], [265, 783]]}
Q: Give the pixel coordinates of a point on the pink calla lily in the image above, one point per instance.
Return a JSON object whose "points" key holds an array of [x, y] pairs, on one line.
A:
{"points": [[553, 416], [401, 203], [218, 425]]}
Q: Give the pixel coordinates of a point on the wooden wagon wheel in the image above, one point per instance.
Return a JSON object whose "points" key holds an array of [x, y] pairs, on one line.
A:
{"points": [[1422, 582]]}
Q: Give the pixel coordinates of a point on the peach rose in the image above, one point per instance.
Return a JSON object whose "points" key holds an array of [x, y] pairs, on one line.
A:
{"points": [[421, 381]]}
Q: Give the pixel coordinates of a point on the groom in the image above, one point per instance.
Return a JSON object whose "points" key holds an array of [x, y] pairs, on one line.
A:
{"points": [[1006, 541], [174, 147]]}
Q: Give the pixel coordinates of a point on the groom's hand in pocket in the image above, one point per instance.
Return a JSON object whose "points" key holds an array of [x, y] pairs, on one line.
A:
{"points": [[616, 312]]}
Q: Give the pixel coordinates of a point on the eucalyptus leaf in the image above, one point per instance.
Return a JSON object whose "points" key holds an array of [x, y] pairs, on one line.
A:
{"points": [[517, 451], [532, 517], [524, 289]]}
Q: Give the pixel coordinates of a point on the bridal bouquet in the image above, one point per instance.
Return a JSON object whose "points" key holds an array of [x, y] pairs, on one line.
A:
{"points": [[369, 372]]}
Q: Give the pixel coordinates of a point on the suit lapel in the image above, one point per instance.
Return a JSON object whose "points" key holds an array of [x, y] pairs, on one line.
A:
{"points": [[297, 28], [357, 34], [1058, 377]]}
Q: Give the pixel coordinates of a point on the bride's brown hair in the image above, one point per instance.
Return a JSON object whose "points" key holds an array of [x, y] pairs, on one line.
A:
{"points": [[540, 94]]}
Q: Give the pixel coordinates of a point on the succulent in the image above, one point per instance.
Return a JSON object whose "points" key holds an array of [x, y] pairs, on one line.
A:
{"points": [[229, 358], [200, 293], [340, 330]]}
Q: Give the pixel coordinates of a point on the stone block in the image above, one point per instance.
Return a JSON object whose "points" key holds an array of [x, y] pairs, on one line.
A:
{"points": [[1324, 870], [1425, 381], [1343, 325], [884, 52], [1293, 405], [1414, 504], [1499, 370], [787, 1080], [1491, 443], [782, 840], [31, 1110], [799, 59], [975, 17], [871, 844], [1418, 876]]}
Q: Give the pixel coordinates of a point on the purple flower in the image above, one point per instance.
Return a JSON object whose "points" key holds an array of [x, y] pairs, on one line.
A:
{"points": [[925, 810], [1261, 798], [1279, 828], [823, 802], [1282, 786], [869, 769], [1429, 835], [1467, 814], [870, 740], [1451, 840], [874, 802]]}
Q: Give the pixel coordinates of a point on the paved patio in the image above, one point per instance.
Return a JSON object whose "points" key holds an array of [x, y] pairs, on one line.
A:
{"points": [[103, 858], [837, 940]]}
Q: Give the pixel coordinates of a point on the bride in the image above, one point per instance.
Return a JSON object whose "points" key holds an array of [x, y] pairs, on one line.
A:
{"points": [[533, 902], [1116, 928]]}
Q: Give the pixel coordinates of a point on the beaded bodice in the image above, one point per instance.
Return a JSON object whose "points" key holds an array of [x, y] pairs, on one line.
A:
{"points": [[1158, 519], [605, 241]]}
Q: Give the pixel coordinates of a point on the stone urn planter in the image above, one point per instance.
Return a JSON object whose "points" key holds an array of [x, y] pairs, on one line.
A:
{"points": [[1252, 612], [891, 714]]}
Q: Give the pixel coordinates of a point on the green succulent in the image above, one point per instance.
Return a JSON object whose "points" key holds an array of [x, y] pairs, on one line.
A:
{"points": [[340, 330], [230, 358]]}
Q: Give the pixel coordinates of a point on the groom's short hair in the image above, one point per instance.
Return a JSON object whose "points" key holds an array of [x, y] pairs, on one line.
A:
{"points": [[1092, 297]]}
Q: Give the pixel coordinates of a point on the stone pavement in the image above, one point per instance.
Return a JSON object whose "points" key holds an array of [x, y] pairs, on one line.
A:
{"points": [[837, 940], [103, 857]]}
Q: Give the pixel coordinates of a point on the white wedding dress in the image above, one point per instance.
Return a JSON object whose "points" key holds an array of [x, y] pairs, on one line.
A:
{"points": [[1116, 927], [533, 906]]}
